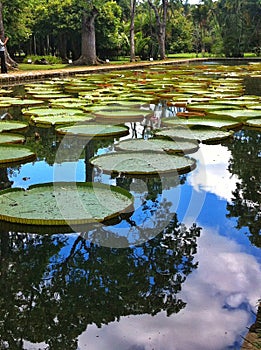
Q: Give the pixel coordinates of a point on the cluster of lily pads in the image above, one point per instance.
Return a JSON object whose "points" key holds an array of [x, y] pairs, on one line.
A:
{"points": [[181, 105]]}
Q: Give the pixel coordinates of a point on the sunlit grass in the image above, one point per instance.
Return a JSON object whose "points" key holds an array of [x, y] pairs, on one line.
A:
{"points": [[30, 67]]}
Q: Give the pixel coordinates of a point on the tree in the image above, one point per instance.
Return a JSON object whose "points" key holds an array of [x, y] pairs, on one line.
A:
{"points": [[179, 32], [239, 23], [88, 39], [51, 296], [161, 20], [132, 35], [110, 36], [245, 163]]}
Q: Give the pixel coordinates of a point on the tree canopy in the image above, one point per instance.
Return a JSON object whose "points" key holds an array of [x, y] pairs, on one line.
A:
{"points": [[88, 31]]}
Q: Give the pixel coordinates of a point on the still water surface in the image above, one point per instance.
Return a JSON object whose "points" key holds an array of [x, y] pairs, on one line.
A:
{"points": [[188, 282]]}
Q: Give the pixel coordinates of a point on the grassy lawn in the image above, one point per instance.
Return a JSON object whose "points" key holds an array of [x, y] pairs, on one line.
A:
{"points": [[121, 60], [30, 67]]}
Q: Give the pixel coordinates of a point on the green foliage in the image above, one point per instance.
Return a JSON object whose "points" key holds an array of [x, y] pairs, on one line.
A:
{"points": [[49, 59], [239, 23], [110, 36], [179, 33], [53, 28]]}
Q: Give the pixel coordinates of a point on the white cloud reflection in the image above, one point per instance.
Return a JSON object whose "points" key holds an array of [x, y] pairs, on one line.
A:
{"points": [[211, 174], [212, 320]]}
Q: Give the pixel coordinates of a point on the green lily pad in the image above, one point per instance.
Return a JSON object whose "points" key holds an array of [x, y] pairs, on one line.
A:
{"points": [[241, 114], [207, 107], [143, 163], [5, 104], [60, 119], [44, 112], [10, 101], [6, 138], [9, 125], [48, 96], [94, 130], [64, 203], [70, 103], [157, 145], [15, 154], [211, 122], [254, 122], [114, 113], [25, 102], [254, 106], [5, 92], [204, 135]]}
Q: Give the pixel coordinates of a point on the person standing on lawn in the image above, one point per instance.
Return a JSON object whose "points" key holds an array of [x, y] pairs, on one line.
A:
{"points": [[2, 55]]}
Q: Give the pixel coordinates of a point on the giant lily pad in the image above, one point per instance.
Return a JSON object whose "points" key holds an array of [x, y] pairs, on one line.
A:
{"points": [[64, 203], [121, 113], [207, 107], [43, 112], [24, 102], [241, 114], [157, 145], [94, 130], [7, 125], [6, 138], [60, 119], [254, 122], [9, 101], [71, 103], [15, 154], [204, 135], [143, 163], [211, 122]]}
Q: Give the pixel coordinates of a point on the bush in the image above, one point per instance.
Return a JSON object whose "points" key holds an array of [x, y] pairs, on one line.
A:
{"points": [[42, 59]]}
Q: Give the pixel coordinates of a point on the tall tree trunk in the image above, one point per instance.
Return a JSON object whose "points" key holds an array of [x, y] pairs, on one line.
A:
{"points": [[132, 42], [9, 61], [161, 26], [88, 51], [62, 46]]}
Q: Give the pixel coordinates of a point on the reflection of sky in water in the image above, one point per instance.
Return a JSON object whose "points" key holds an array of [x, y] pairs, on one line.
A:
{"points": [[220, 293]]}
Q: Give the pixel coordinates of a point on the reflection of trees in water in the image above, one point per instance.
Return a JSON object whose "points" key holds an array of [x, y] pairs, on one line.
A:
{"points": [[246, 164], [52, 297], [4, 180]]}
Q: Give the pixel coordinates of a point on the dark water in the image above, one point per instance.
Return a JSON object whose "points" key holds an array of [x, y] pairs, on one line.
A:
{"points": [[182, 272]]}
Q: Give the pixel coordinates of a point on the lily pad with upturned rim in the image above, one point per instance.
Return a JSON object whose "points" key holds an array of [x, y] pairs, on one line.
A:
{"points": [[114, 113], [254, 122], [15, 154], [210, 122], [64, 203], [8, 138], [43, 112], [208, 107], [157, 145], [240, 114], [9, 125], [143, 163], [60, 119], [204, 135], [94, 130], [27, 102]]}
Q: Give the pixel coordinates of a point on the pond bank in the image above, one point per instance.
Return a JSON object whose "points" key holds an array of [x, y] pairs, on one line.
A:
{"points": [[18, 76]]}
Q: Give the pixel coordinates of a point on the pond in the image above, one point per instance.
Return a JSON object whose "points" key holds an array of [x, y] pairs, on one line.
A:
{"points": [[179, 268]]}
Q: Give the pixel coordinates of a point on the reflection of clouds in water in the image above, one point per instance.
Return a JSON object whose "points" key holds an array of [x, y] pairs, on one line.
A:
{"points": [[212, 173], [219, 295]]}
